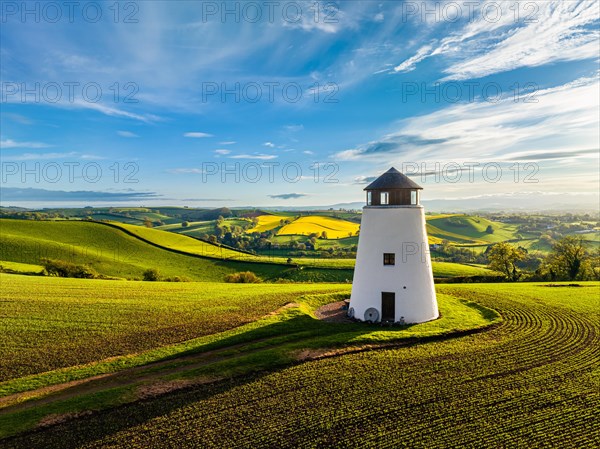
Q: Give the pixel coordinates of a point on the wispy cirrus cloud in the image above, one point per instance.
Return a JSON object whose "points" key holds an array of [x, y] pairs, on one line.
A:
{"points": [[18, 118], [543, 155], [411, 63], [558, 31], [185, 171], [561, 121], [258, 156], [391, 144], [111, 111], [197, 135], [127, 134], [9, 143], [42, 156]]}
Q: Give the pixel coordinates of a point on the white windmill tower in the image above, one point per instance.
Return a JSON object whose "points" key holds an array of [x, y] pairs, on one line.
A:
{"points": [[393, 280]]}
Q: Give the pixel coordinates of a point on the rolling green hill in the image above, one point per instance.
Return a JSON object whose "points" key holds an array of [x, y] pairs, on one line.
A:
{"points": [[468, 229], [112, 252], [126, 251], [197, 247]]}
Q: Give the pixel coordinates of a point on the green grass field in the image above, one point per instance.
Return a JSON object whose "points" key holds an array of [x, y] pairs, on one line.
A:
{"points": [[183, 243], [113, 252], [20, 268], [531, 380], [467, 229], [49, 323], [114, 328]]}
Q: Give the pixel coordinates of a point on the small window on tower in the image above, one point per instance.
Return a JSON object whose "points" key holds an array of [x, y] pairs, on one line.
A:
{"points": [[389, 258], [369, 198], [413, 197], [385, 198]]}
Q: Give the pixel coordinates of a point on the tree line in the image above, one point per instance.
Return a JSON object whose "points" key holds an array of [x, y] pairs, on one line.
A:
{"points": [[569, 260]]}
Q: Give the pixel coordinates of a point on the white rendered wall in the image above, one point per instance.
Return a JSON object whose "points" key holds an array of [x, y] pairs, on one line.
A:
{"points": [[400, 230]]}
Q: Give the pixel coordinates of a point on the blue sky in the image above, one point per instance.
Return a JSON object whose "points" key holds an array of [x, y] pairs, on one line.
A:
{"points": [[208, 104]]}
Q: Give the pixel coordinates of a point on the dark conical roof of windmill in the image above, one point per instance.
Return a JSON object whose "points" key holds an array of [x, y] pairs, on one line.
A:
{"points": [[393, 179]]}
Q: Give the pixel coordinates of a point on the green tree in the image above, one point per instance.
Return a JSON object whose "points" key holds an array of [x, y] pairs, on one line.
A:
{"points": [[502, 257], [568, 257], [185, 224]]}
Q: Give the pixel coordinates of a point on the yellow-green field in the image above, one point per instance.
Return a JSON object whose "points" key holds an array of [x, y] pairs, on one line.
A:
{"points": [[335, 228], [456, 228], [267, 222], [20, 268]]}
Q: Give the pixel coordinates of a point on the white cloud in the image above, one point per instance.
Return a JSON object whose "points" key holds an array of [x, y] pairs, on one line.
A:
{"points": [[222, 152], [563, 119], [228, 142], [260, 156], [293, 128], [197, 135], [319, 16], [42, 156], [9, 143], [128, 134], [411, 63], [110, 111], [559, 34], [18, 118], [182, 171], [269, 144], [558, 31]]}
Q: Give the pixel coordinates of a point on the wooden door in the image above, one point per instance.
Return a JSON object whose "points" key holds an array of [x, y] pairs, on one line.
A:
{"points": [[388, 306]]}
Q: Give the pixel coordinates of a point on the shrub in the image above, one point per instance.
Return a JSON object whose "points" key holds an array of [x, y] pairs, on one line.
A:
{"points": [[243, 277], [62, 268], [177, 279], [152, 274]]}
